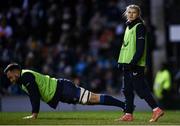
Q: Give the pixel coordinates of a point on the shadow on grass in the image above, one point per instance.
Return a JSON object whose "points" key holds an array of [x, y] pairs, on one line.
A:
{"points": [[69, 118]]}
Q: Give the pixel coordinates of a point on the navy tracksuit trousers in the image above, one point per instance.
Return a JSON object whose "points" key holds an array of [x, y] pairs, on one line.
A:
{"points": [[134, 80]]}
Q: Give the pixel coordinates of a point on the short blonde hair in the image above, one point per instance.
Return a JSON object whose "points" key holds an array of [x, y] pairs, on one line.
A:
{"points": [[133, 6]]}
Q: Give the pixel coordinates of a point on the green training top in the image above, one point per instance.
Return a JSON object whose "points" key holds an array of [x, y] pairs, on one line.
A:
{"points": [[128, 48], [46, 85], [162, 82]]}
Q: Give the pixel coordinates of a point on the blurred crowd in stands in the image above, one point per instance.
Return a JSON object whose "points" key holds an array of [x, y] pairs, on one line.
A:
{"points": [[76, 39]]}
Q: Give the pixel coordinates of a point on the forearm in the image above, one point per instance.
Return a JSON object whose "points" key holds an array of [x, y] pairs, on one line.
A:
{"points": [[140, 47], [35, 103]]}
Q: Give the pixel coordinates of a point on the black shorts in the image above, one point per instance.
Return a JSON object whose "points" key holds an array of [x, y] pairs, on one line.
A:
{"points": [[69, 92]]}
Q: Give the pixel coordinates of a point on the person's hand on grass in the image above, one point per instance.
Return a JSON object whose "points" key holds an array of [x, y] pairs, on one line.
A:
{"points": [[33, 116]]}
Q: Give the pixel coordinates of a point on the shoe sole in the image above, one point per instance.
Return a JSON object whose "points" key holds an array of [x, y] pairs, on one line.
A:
{"points": [[122, 120], [157, 117]]}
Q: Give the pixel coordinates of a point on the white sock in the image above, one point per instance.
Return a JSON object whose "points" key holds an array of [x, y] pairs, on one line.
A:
{"points": [[128, 114], [155, 109]]}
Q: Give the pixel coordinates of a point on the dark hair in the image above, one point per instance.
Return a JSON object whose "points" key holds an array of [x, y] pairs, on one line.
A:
{"points": [[12, 66]]}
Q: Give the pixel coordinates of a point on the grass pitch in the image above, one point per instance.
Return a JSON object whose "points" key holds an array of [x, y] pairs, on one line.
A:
{"points": [[87, 118]]}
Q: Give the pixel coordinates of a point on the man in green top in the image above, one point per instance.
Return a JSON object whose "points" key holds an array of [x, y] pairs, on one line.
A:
{"points": [[162, 85], [52, 90]]}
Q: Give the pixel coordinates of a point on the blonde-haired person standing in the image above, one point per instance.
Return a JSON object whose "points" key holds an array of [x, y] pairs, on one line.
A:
{"points": [[132, 60]]}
